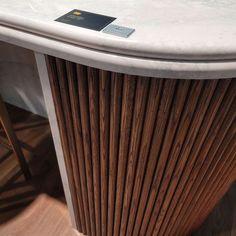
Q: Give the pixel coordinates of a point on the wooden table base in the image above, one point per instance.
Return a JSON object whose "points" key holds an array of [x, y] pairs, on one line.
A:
{"points": [[144, 156]]}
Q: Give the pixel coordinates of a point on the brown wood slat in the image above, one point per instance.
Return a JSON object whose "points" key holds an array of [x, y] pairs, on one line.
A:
{"points": [[93, 86], [115, 119], [53, 79], [205, 148], [179, 139], [221, 185], [138, 117], [104, 107], [225, 185], [85, 124], [73, 88], [144, 156], [161, 120], [125, 133], [177, 201], [162, 116], [209, 148], [215, 180], [204, 100], [209, 169], [64, 92], [149, 123], [224, 188], [176, 110]]}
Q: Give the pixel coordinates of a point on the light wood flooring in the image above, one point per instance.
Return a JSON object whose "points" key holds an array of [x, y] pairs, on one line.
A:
{"points": [[19, 198]]}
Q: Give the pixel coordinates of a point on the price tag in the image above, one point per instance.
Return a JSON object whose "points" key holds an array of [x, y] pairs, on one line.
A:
{"points": [[118, 30]]}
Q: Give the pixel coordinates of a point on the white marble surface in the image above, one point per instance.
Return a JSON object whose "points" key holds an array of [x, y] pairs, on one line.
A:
{"points": [[180, 35]]}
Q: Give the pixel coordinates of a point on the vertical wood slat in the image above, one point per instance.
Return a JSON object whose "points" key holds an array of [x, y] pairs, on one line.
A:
{"points": [[209, 168], [191, 156], [73, 87], [196, 122], [138, 117], [215, 181], [85, 124], [115, 115], [141, 153], [179, 139], [152, 108], [64, 91], [125, 130], [53, 77], [93, 97], [159, 130], [223, 182], [176, 110], [225, 185], [104, 106], [208, 145]]}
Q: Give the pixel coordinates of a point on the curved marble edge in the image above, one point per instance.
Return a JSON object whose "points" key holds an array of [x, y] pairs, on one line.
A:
{"points": [[119, 63], [100, 41]]}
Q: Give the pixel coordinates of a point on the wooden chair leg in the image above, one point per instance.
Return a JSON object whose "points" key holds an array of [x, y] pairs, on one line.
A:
{"points": [[6, 124]]}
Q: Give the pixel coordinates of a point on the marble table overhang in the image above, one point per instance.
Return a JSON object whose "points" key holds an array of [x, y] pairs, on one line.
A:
{"points": [[192, 39]]}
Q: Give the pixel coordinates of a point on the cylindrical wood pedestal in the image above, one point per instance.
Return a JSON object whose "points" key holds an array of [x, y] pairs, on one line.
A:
{"points": [[144, 156]]}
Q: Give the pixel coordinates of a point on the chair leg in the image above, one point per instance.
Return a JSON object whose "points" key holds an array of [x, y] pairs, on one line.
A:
{"points": [[6, 123]]}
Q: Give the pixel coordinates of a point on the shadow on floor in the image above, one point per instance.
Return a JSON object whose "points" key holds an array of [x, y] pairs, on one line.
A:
{"points": [[35, 138], [222, 220]]}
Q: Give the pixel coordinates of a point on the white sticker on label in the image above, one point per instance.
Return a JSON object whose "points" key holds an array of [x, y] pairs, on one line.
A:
{"points": [[118, 30]]}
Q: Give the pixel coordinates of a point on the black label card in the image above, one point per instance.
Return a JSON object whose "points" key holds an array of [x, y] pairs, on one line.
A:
{"points": [[86, 19]]}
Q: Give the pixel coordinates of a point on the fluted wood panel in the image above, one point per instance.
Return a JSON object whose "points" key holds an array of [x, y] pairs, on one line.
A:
{"points": [[144, 156]]}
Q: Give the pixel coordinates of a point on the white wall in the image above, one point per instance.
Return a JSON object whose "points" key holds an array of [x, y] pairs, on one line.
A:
{"points": [[19, 80]]}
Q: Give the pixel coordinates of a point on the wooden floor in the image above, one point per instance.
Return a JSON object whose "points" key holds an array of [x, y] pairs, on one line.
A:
{"points": [[46, 216], [18, 195], [19, 199]]}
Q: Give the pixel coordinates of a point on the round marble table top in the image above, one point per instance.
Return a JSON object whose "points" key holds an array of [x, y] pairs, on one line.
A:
{"points": [[189, 32]]}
